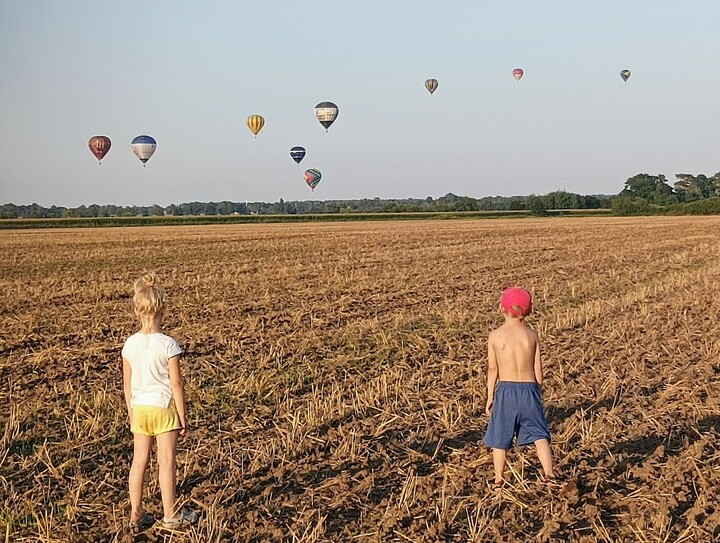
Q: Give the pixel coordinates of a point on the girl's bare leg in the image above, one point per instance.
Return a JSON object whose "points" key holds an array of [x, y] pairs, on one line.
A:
{"points": [[142, 445], [545, 457], [499, 456], [167, 465]]}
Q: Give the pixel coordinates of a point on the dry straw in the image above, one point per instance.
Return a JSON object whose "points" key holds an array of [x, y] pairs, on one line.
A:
{"points": [[336, 380]]}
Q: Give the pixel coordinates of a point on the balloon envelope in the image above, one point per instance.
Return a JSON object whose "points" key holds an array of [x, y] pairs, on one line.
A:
{"points": [[518, 73], [625, 74], [144, 147], [297, 153], [99, 146], [255, 123], [312, 177], [431, 85], [326, 113]]}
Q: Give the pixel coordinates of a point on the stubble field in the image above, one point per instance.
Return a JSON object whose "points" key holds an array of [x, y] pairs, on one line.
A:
{"points": [[336, 380]]}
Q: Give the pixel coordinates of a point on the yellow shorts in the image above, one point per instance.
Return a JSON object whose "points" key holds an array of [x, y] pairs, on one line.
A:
{"points": [[150, 420]]}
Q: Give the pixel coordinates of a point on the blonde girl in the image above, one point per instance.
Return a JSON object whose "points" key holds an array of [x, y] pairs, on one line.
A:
{"points": [[155, 397]]}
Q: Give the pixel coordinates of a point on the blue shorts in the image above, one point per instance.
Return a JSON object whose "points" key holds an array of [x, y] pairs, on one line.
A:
{"points": [[517, 410]]}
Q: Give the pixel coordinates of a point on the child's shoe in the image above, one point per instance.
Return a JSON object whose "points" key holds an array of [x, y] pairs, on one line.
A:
{"points": [[145, 522], [183, 520]]}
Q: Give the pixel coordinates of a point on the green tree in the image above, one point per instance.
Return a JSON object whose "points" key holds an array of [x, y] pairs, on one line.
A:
{"points": [[35, 211], [687, 187], [8, 211], [651, 188], [715, 185], [536, 206], [465, 203], [690, 188], [623, 205]]}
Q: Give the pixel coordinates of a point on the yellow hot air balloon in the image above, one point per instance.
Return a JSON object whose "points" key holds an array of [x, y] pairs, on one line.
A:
{"points": [[255, 123]]}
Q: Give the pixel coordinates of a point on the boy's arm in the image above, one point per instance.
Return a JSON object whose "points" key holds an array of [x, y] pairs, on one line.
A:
{"points": [[127, 379], [538, 362], [492, 376], [178, 391]]}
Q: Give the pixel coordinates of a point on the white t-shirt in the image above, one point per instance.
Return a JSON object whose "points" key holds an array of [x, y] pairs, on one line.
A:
{"points": [[148, 355]]}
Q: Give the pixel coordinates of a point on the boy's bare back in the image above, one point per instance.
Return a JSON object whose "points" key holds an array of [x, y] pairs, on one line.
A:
{"points": [[515, 350]]}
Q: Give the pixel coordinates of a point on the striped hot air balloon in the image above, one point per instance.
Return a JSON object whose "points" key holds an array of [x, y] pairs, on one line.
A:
{"points": [[255, 123], [326, 113], [312, 177], [518, 73], [144, 147], [297, 153]]}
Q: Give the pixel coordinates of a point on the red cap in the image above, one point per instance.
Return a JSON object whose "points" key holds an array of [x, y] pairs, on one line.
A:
{"points": [[517, 301]]}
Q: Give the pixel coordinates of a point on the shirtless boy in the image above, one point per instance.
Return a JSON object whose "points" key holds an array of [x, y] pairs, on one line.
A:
{"points": [[515, 376]]}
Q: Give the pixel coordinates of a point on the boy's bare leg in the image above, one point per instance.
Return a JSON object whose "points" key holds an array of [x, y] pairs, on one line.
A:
{"points": [[545, 457], [142, 445], [167, 467], [499, 456]]}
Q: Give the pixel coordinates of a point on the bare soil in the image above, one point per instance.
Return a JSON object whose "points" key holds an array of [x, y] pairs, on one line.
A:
{"points": [[336, 380]]}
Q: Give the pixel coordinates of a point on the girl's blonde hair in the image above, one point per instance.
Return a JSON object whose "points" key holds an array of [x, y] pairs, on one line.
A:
{"points": [[149, 298]]}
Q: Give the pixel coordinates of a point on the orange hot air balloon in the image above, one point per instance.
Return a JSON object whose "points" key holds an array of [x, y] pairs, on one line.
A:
{"points": [[518, 73], [99, 146]]}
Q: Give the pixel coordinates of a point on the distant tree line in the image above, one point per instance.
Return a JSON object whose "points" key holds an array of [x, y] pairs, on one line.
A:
{"points": [[448, 203], [646, 194], [642, 194]]}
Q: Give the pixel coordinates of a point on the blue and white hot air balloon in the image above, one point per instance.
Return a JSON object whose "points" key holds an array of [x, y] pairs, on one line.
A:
{"points": [[144, 147], [297, 153]]}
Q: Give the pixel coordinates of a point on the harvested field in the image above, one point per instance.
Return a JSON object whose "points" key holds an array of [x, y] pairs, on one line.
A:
{"points": [[336, 380]]}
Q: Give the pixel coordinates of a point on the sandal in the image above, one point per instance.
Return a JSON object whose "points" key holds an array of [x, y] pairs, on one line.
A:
{"points": [[183, 520], [551, 482], [146, 521], [496, 486]]}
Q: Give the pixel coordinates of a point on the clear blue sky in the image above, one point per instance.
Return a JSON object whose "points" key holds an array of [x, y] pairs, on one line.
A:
{"points": [[190, 73]]}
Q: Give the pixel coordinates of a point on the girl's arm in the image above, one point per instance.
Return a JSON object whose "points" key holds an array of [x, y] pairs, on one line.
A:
{"points": [[178, 391], [127, 380]]}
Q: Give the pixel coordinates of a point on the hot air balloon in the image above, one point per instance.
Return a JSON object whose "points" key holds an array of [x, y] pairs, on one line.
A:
{"points": [[297, 153], [326, 113], [518, 73], [312, 177], [99, 146], [144, 147], [255, 123], [431, 85], [625, 74]]}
